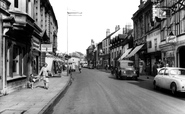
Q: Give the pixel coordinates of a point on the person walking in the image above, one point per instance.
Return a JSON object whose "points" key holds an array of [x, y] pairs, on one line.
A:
{"points": [[70, 71], [43, 72], [80, 68]]}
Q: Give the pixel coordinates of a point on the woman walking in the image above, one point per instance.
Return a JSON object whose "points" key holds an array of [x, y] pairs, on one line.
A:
{"points": [[43, 72]]}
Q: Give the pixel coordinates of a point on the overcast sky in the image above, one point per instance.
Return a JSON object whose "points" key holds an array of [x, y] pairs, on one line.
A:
{"points": [[97, 16]]}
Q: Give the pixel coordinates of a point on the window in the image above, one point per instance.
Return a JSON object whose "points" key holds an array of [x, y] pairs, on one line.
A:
{"points": [[161, 72], [155, 43], [15, 59], [16, 3], [166, 72], [149, 44]]}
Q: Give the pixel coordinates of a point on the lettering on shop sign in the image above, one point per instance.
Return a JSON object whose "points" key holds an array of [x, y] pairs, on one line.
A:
{"points": [[140, 41]]}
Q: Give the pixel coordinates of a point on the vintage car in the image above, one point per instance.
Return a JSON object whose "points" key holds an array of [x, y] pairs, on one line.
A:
{"points": [[125, 69], [85, 65], [171, 78]]}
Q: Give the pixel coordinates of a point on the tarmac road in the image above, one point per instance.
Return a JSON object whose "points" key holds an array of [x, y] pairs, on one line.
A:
{"points": [[96, 92]]}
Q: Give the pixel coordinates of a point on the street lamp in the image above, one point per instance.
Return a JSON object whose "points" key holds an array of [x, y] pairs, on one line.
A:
{"points": [[69, 13]]}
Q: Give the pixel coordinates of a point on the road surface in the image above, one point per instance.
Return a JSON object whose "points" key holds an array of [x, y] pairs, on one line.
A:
{"points": [[97, 92]]}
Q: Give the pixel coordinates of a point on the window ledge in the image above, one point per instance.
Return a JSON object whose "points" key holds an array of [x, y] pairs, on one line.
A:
{"points": [[16, 78]]}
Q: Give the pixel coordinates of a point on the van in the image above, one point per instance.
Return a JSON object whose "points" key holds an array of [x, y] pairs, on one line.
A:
{"points": [[125, 69]]}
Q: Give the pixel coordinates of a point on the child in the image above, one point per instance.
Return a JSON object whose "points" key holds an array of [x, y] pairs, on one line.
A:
{"points": [[45, 76], [31, 81]]}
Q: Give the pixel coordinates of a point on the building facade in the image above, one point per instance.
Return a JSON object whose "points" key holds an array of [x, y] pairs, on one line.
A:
{"points": [[90, 53], [172, 32], [142, 21], [120, 43], [22, 53], [99, 58]]}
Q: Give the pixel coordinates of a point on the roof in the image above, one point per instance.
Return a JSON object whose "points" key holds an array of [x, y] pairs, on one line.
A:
{"points": [[110, 34]]}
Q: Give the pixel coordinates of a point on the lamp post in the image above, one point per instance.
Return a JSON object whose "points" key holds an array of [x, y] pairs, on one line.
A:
{"points": [[69, 13]]}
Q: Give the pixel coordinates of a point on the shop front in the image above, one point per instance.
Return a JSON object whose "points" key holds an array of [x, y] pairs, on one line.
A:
{"points": [[20, 60], [153, 51], [168, 51]]}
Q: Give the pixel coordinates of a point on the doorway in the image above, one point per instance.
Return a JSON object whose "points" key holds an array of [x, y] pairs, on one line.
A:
{"points": [[181, 57]]}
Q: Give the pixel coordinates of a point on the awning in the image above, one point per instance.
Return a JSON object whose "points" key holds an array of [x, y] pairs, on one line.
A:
{"points": [[125, 54], [172, 20], [164, 24], [134, 51]]}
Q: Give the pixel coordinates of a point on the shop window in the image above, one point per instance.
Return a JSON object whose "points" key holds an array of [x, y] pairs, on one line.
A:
{"points": [[149, 44], [15, 59]]}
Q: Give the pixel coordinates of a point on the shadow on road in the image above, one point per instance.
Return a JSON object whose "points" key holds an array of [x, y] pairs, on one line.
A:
{"points": [[128, 79], [149, 86]]}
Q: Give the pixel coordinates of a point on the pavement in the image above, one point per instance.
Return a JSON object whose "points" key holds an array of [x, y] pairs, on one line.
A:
{"points": [[36, 100]]}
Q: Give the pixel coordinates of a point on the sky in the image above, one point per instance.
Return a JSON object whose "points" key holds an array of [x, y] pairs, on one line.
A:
{"points": [[97, 16]]}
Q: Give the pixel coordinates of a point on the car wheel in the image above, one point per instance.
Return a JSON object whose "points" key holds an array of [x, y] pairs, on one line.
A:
{"points": [[136, 78], [173, 88], [155, 86]]}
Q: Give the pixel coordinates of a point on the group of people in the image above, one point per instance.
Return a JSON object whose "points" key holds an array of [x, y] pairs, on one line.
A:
{"points": [[157, 64], [44, 76]]}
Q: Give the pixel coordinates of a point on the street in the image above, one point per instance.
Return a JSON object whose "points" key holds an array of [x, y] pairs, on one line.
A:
{"points": [[97, 92]]}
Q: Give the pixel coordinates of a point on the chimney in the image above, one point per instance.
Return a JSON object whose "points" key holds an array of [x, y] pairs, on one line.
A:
{"points": [[107, 32], [141, 2], [117, 27]]}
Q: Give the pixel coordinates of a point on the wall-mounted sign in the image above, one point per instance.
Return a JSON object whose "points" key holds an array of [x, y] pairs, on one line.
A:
{"points": [[46, 48], [171, 39]]}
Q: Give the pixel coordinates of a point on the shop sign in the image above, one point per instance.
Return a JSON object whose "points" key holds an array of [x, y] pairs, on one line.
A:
{"points": [[140, 41], [171, 39], [46, 48], [35, 44]]}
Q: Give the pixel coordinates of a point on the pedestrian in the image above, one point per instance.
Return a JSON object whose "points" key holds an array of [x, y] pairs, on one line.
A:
{"points": [[80, 67], [43, 72], [70, 71], [155, 69], [31, 81]]}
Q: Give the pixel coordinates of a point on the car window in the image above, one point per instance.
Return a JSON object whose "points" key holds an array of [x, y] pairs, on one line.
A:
{"points": [[130, 64], [177, 72], [166, 72], [161, 72]]}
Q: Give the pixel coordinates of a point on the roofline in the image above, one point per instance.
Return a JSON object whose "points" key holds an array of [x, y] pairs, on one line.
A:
{"points": [[111, 34]]}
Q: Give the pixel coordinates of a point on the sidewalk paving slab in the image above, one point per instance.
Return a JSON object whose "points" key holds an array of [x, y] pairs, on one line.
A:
{"points": [[34, 101]]}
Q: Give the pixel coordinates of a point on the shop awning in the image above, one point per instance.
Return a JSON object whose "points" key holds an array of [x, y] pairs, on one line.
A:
{"points": [[125, 54], [164, 24], [134, 51], [172, 20]]}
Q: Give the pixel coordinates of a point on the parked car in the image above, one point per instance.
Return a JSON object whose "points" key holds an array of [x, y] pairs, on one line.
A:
{"points": [[125, 69], [85, 65], [171, 78]]}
